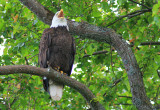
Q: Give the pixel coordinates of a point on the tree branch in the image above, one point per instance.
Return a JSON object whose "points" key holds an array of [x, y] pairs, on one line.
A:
{"points": [[123, 104], [114, 84], [96, 53], [150, 43], [139, 4], [125, 96], [130, 15], [104, 51], [56, 76], [27, 63]]}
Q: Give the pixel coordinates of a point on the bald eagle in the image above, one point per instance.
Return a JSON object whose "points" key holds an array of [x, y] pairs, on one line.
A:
{"points": [[56, 50]]}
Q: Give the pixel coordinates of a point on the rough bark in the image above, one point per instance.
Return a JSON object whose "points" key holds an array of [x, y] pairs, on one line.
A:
{"points": [[139, 97], [56, 76], [85, 30], [42, 13]]}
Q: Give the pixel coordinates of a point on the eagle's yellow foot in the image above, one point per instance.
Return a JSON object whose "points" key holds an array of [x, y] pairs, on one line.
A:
{"points": [[61, 72], [57, 68]]}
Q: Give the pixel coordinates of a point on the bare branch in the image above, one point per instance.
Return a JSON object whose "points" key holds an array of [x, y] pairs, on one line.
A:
{"points": [[104, 51], [130, 15], [33, 56], [114, 84], [157, 94], [123, 104], [125, 96], [27, 63], [150, 43], [96, 53], [56, 76], [139, 4]]}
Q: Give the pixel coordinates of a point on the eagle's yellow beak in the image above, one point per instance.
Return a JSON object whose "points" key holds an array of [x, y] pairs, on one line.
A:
{"points": [[60, 14]]}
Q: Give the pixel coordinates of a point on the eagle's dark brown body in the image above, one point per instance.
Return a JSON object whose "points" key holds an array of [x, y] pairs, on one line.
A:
{"points": [[57, 49]]}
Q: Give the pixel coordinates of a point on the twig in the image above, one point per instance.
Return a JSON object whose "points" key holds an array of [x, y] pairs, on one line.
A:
{"points": [[125, 96], [139, 4], [112, 62], [156, 98], [15, 99], [114, 84], [9, 105], [150, 43], [123, 104], [32, 56], [104, 52], [158, 73], [130, 15], [96, 53], [26, 60], [146, 43]]}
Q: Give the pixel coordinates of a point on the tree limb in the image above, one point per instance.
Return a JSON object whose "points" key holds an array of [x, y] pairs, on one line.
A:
{"points": [[56, 76], [85, 30]]}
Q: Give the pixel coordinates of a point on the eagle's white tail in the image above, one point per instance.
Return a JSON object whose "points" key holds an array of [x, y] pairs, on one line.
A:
{"points": [[56, 90]]}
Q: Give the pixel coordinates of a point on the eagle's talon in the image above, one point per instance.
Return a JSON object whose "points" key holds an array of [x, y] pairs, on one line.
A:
{"points": [[61, 72], [57, 68]]}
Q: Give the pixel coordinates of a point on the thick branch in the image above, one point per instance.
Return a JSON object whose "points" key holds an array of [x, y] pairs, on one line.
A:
{"points": [[56, 76], [85, 30]]}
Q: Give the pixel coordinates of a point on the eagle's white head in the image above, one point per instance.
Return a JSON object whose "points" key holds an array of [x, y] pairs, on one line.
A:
{"points": [[59, 20]]}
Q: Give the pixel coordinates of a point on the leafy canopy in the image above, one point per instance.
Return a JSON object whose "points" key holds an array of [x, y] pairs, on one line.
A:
{"points": [[21, 30]]}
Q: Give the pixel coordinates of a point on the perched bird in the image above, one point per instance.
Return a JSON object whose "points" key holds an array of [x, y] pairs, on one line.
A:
{"points": [[56, 50]]}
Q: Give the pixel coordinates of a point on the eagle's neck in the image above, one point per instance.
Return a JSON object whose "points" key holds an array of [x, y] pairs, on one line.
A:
{"points": [[57, 23]]}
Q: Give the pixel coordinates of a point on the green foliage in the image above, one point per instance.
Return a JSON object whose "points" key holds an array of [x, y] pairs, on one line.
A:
{"points": [[20, 31]]}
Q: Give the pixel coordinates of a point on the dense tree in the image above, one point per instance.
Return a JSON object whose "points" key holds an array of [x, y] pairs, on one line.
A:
{"points": [[117, 56]]}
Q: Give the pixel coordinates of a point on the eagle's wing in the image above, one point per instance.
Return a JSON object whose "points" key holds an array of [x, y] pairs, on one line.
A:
{"points": [[73, 52], [45, 43]]}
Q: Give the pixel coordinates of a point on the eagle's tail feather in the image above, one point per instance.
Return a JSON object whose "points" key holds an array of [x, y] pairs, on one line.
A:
{"points": [[55, 90]]}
